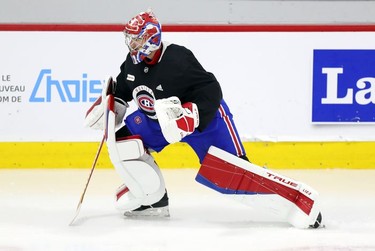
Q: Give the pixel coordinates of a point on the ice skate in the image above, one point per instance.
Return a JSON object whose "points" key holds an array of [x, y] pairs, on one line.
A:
{"points": [[158, 209]]}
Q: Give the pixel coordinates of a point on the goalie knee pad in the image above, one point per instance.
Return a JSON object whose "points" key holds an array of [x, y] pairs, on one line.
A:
{"points": [[143, 181]]}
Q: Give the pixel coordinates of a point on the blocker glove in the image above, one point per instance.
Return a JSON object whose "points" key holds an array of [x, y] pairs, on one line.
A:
{"points": [[176, 121]]}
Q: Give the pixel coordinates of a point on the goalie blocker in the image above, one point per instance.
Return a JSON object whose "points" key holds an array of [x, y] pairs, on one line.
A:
{"points": [[260, 188]]}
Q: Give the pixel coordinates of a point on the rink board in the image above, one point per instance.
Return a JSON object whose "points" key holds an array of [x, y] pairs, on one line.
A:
{"points": [[280, 131], [293, 155]]}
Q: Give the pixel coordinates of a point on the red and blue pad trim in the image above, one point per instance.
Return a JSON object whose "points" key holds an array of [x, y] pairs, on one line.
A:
{"points": [[229, 178], [223, 186]]}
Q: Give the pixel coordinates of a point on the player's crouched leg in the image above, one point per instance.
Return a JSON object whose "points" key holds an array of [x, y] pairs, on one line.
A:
{"points": [[270, 193], [143, 192], [155, 204]]}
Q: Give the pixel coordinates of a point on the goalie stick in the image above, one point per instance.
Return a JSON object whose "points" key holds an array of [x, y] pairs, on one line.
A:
{"points": [[88, 180]]}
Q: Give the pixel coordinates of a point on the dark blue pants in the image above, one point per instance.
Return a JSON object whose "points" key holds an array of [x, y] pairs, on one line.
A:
{"points": [[221, 132]]}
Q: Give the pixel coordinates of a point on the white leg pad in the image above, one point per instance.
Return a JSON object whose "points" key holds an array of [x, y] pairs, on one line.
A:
{"points": [[138, 170], [143, 183]]}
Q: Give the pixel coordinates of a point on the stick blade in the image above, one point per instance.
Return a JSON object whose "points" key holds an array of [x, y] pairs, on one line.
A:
{"points": [[76, 214]]}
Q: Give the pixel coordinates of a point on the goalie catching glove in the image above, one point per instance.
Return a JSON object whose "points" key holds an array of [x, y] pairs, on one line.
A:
{"points": [[176, 121], [95, 115]]}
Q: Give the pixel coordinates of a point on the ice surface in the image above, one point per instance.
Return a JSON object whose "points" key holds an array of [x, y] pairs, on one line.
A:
{"points": [[36, 206]]}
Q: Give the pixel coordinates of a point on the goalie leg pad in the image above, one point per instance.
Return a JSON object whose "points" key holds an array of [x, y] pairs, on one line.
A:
{"points": [[290, 200], [143, 181], [137, 168]]}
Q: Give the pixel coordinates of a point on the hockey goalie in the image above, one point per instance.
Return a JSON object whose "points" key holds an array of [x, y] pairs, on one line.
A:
{"points": [[179, 101]]}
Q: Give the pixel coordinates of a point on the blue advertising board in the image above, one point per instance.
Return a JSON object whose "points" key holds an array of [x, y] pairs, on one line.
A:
{"points": [[343, 86]]}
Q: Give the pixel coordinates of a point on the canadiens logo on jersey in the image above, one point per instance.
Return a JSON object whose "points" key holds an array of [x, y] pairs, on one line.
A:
{"points": [[145, 100]]}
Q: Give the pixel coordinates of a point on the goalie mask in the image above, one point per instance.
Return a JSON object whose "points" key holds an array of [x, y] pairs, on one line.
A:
{"points": [[142, 36]]}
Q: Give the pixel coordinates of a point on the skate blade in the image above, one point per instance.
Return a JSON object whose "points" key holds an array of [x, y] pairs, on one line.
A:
{"points": [[159, 212]]}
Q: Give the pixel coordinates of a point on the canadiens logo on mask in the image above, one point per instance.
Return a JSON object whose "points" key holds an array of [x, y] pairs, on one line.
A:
{"points": [[145, 99]]}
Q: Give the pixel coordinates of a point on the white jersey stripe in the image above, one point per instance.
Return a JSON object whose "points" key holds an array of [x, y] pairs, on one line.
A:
{"points": [[235, 140]]}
